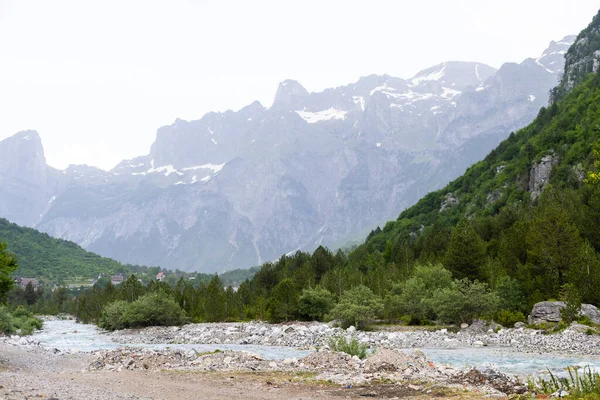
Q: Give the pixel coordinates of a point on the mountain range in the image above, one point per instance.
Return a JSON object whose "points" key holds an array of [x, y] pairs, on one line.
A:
{"points": [[235, 189]]}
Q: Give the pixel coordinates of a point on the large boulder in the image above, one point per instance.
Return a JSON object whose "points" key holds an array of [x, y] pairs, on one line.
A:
{"points": [[480, 327], [549, 311], [592, 312], [546, 311]]}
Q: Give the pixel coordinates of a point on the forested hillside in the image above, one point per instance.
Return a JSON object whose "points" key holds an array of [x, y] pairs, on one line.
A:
{"points": [[55, 260], [42, 256]]}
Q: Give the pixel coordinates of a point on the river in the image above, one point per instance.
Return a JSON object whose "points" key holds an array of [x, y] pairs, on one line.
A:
{"points": [[69, 335]]}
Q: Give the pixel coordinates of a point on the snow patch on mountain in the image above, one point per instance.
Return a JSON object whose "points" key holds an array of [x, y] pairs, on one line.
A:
{"points": [[325, 115], [214, 167], [166, 170], [433, 76], [359, 100], [450, 93]]}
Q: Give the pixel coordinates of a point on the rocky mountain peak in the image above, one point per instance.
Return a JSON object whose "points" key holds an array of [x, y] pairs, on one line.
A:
{"points": [[455, 74], [553, 58], [23, 177], [22, 152], [289, 94]]}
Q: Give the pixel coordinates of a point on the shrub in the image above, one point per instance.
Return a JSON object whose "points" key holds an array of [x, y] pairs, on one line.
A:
{"points": [[509, 318], [6, 321], [152, 309], [29, 325], [464, 301], [584, 385], [413, 297], [21, 321], [352, 347], [357, 306], [315, 303], [112, 317], [572, 299]]}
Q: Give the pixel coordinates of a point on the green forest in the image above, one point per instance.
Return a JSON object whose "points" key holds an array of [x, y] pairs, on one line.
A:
{"points": [[42, 256], [56, 261]]}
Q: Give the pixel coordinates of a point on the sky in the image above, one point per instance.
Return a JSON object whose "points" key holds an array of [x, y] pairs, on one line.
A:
{"points": [[96, 79]]}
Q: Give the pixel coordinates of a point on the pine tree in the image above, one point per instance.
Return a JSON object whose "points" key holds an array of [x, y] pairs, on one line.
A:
{"points": [[30, 295], [8, 264], [466, 254], [214, 307], [284, 301], [553, 246], [131, 289]]}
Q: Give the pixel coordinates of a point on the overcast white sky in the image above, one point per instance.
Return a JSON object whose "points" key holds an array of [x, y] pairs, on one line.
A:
{"points": [[97, 78]]}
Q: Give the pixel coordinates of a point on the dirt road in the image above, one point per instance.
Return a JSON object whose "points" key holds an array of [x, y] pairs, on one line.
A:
{"points": [[26, 374]]}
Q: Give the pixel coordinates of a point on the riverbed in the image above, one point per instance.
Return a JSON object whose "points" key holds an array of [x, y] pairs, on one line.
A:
{"points": [[67, 335]]}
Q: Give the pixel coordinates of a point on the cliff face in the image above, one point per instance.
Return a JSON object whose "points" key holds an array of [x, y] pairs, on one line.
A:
{"points": [[26, 183], [582, 58], [238, 188]]}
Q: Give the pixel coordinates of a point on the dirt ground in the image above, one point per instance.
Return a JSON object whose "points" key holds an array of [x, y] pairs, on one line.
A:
{"points": [[27, 375]]}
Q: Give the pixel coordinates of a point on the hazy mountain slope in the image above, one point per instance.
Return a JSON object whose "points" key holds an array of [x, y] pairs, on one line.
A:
{"points": [[234, 189]]}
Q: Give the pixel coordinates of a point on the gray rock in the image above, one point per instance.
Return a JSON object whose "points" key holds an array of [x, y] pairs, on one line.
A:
{"points": [[591, 312], [449, 201], [546, 311], [493, 196], [540, 175], [549, 311], [480, 326], [577, 327]]}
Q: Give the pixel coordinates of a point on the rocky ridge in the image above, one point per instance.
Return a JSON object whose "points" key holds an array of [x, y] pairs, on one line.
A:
{"points": [[235, 189]]}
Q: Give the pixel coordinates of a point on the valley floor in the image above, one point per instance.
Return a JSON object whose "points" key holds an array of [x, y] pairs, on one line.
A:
{"points": [[29, 374]]}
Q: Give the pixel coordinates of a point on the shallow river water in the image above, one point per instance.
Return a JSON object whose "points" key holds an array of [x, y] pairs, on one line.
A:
{"points": [[61, 335]]}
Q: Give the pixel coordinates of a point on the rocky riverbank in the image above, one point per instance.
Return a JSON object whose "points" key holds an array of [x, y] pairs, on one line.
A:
{"points": [[32, 371], [315, 335], [413, 370]]}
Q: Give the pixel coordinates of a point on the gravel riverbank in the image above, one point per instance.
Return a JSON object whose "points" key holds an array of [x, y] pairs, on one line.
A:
{"points": [[317, 335]]}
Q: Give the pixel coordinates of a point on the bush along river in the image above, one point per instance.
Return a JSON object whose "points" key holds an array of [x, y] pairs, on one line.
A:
{"points": [[476, 358]]}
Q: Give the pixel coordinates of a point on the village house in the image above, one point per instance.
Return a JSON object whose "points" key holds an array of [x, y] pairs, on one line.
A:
{"points": [[160, 276], [117, 279], [24, 281]]}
